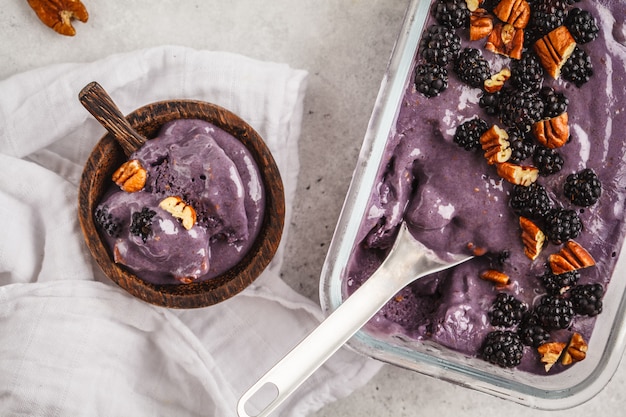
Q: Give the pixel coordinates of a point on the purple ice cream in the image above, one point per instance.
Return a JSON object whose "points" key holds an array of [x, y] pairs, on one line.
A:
{"points": [[453, 200], [201, 166]]}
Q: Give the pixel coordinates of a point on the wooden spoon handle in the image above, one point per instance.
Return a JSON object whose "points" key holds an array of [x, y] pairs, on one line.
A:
{"points": [[98, 102]]}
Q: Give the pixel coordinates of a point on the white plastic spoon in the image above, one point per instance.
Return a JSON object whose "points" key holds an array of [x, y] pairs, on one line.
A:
{"points": [[407, 261]]}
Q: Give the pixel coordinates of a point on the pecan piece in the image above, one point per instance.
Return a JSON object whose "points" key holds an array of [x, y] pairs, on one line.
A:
{"points": [[58, 14], [476, 250], [550, 353], [575, 351], [481, 24], [179, 209], [532, 238], [495, 276], [496, 81], [506, 40], [495, 143], [131, 176], [571, 257], [518, 174], [186, 280], [473, 5], [552, 133], [554, 49], [514, 12]]}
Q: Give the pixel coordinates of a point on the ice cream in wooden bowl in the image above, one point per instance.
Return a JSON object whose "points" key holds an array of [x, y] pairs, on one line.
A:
{"points": [[181, 202]]}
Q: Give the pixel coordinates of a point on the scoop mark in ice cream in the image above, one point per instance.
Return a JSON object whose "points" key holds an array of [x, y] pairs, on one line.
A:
{"points": [[199, 211]]}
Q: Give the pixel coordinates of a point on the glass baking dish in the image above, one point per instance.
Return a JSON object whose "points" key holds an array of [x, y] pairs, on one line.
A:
{"points": [[551, 392]]}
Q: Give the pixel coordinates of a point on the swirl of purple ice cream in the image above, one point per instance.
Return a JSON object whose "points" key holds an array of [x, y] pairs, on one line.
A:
{"points": [[211, 171]]}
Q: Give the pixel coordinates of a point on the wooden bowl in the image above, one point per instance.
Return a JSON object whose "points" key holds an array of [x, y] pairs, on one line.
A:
{"points": [[108, 155]]}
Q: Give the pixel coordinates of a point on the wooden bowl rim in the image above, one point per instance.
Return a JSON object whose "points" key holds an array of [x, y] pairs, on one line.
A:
{"points": [[147, 120]]}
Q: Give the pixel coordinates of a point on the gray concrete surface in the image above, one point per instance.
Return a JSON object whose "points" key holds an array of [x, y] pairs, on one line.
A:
{"points": [[345, 46]]}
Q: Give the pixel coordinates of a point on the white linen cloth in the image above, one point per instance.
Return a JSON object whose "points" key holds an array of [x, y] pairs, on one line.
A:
{"points": [[72, 343]]}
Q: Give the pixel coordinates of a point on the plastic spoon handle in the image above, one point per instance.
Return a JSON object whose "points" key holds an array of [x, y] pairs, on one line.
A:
{"points": [[98, 102], [405, 264]]}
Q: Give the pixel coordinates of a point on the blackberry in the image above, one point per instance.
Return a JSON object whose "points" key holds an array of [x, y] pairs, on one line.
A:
{"points": [[467, 135], [532, 201], [501, 257], [541, 23], [554, 312], [490, 103], [506, 311], [554, 103], [578, 68], [551, 6], [531, 332], [105, 220], [497, 259], [430, 79], [440, 45], [582, 25], [559, 284], [583, 188], [562, 225], [527, 73], [587, 299], [521, 147], [520, 109], [503, 348], [141, 224], [548, 161], [451, 13], [471, 67]]}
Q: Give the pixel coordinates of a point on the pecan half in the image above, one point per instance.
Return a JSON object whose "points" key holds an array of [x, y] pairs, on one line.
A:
{"points": [[532, 238], [514, 12], [131, 176], [495, 143], [552, 133], [506, 40], [571, 257], [58, 14], [554, 49], [179, 209], [518, 174]]}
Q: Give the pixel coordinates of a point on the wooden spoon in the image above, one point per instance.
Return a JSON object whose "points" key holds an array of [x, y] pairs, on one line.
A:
{"points": [[98, 102]]}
